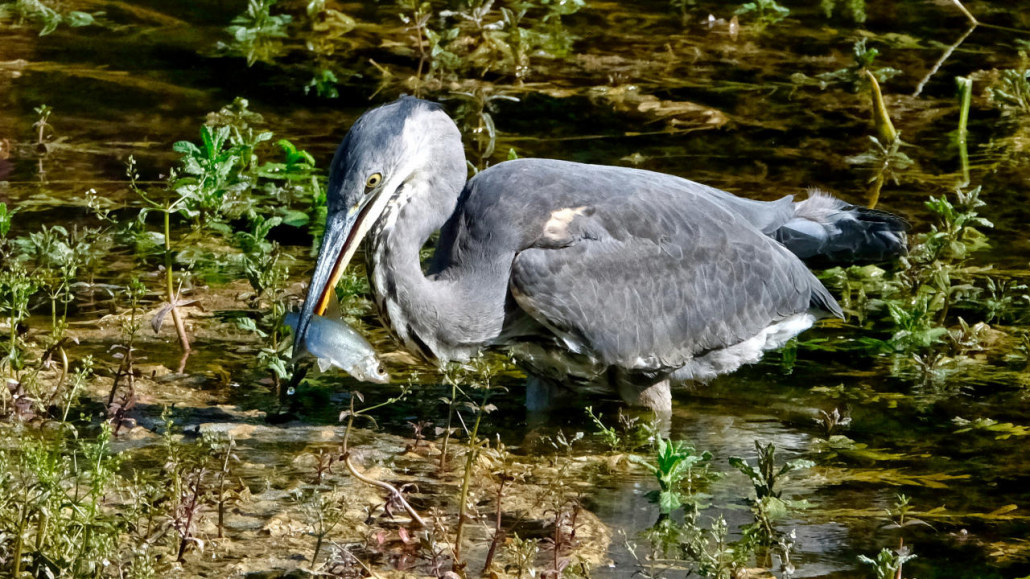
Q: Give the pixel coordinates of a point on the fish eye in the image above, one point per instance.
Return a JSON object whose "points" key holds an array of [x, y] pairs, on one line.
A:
{"points": [[373, 181]]}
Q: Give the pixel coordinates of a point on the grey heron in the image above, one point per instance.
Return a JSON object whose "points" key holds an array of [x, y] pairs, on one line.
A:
{"points": [[593, 276]]}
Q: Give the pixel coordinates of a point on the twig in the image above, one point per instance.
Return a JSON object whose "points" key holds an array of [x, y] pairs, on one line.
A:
{"points": [[944, 57], [968, 14], [396, 494]]}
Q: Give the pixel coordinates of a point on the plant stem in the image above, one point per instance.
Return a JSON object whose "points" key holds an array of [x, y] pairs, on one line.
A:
{"points": [[447, 431], [469, 463], [318, 546], [75, 385], [184, 341], [874, 191], [221, 486], [968, 14], [498, 533], [965, 86], [901, 546], [19, 544], [191, 510], [881, 118]]}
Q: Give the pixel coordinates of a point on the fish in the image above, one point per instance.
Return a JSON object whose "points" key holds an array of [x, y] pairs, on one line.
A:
{"points": [[334, 343]]}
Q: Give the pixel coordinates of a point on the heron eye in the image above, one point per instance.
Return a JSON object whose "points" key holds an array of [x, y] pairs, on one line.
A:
{"points": [[373, 180], [381, 370]]}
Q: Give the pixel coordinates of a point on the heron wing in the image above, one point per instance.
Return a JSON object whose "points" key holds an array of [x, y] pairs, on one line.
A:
{"points": [[651, 279]]}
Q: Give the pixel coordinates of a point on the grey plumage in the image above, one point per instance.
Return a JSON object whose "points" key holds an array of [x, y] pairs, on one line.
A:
{"points": [[594, 275]]}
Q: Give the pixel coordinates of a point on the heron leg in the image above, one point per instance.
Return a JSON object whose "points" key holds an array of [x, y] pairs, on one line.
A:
{"points": [[657, 396], [543, 394]]}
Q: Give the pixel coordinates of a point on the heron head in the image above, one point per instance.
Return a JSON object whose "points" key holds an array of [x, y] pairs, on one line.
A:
{"points": [[390, 152]]}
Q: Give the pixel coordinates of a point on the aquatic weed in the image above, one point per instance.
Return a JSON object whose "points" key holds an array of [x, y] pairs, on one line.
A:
{"points": [[630, 433], [327, 509], [765, 12], [888, 563], [677, 465], [256, 32], [172, 298], [48, 17], [854, 9], [480, 374], [53, 505], [1011, 91], [125, 353], [767, 506], [862, 70]]}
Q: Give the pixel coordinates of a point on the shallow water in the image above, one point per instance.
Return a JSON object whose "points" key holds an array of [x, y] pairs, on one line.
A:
{"points": [[641, 88]]}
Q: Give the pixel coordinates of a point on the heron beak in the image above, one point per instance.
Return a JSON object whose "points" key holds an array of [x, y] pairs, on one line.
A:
{"points": [[344, 231]]}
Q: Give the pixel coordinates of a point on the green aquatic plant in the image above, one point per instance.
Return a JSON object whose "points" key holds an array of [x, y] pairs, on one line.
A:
{"points": [[522, 553], [1003, 299], [324, 84], [125, 353], [17, 287], [475, 118], [1000, 430], [479, 374], [629, 434], [682, 8], [222, 179], [862, 70], [47, 13], [225, 491], [50, 262], [53, 505], [327, 509], [768, 506], [765, 477], [415, 14], [608, 434], [1011, 90], [704, 549], [44, 130], [680, 469], [884, 157], [256, 32], [56, 257], [965, 90], [764, 12], [854, 9], [260, 259], [937, 274], [166, 207], [210, 182], [483, 38], [888, 563]]}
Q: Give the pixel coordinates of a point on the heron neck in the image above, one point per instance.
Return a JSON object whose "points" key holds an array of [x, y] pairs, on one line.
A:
{"points": [[422, 311]]}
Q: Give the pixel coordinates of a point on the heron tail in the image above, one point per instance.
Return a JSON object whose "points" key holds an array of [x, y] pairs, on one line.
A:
{"points": [[826, 231]]}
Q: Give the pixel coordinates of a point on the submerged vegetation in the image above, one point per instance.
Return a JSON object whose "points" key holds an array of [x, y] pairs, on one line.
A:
{"points": [[153, 421]]}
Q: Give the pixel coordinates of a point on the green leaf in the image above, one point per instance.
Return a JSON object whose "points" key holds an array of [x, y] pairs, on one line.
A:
{"points": [[186, 148], [77, 19], [295, 218], [669, 501]]}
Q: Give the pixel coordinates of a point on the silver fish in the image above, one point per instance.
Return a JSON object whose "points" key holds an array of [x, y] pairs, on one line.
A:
{"points": [[334, 343]]}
